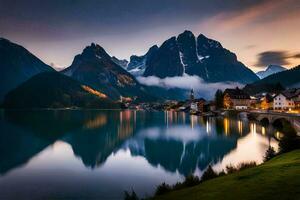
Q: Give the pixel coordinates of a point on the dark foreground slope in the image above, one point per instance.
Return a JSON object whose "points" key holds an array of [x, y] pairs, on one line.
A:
{"points": [[276, 179], [54, 90]]}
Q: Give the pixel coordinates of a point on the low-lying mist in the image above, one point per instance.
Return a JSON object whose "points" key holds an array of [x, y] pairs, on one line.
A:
{"points": [[187, 82]]}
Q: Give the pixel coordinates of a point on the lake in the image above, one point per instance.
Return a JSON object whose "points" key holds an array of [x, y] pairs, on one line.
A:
{"points": [[94, 154]]}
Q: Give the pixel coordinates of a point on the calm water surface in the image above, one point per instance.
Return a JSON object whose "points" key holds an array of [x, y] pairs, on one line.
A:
{"points": [[99, 154]]}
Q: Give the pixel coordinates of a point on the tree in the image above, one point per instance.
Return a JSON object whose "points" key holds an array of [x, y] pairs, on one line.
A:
{"points": [[219, 99], [209, 174], [132, 196], [162, 189], [270, 153]]}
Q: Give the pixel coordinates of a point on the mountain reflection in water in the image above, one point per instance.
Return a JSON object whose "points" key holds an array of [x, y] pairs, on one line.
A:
{"points": [[135, 149]]}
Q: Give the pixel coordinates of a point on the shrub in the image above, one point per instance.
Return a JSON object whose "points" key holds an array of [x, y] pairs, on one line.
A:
{"points": [[222, 173], [270, 153], [191, 181], [162, 189], [130, 196], [231, 169], [244, 165], [208, 174]]}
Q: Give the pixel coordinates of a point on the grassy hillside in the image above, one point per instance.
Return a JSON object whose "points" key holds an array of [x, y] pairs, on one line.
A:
{"points": [[276, 179]]}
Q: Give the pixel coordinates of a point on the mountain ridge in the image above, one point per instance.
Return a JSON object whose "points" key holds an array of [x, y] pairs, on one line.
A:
{"points": [[201, 56], [96, 68], [271, 69], [277, 81]]}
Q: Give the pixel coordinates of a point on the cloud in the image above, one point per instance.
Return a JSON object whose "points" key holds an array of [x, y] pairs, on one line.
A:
{"points": [[252, 46], [296, 55], [275, 57], [201, 88], [272, 57], [261, 12], [56, 67]]}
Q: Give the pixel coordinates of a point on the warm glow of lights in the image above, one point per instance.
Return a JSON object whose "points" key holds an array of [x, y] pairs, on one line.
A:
{"points": [[97, 122], [125, 129], [193, 120], [263, 130], [227, 101], [240, 127], [126, 99], [278, 135], [253, 128], [264, 104], [226, 126]]}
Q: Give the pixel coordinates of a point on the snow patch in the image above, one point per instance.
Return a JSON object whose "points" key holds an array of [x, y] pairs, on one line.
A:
{"points": [[181, 60]]}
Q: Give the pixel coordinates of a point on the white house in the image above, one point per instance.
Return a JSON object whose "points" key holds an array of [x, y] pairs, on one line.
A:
{"points": [[286, 100], [194, 107]]}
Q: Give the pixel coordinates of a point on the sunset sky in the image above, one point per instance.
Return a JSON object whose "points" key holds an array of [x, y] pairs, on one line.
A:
{"points": [[260, 32]]}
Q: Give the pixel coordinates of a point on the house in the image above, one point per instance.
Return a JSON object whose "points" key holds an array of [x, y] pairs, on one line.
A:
{"points": [[236, 99], [196, 105], [201, 104], [266, 102], [287, 100]]}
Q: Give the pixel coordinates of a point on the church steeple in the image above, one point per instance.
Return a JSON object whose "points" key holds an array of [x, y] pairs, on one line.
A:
{"points": [[192, 97]]}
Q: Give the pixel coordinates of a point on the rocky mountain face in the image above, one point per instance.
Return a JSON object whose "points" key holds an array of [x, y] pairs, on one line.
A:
{"points": [[55, 90], [97, 69], [123, 63], [16, 66], [137, 64], [187, 54], [271, 69]]}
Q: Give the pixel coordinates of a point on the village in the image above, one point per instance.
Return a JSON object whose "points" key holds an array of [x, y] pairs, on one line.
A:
{"points": [[287, 101]]}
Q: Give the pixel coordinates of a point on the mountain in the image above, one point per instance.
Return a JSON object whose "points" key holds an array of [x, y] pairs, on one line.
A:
{"points": [[97, 69], [137, 64], [286, 79], [123, 63], [55, 90], [201, 56], [271, 69], [17, 65]]}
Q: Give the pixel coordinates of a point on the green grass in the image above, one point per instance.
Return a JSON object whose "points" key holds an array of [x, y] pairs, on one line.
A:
{"points": [[277, 179]]}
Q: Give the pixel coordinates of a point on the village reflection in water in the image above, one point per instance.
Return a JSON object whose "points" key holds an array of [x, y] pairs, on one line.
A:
{"points": [[161, 146]]}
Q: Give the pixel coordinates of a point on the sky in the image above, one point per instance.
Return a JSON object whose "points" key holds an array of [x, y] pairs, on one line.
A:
{"points": [[260, 32]]}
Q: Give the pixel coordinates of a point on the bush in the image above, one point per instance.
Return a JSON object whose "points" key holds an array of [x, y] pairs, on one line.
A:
{"points": [[270, 153], [189, 181], [222, 173], [132, 196], [231, 169], [244, 165], [162, 189], [290, 140], [208, 174]]}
